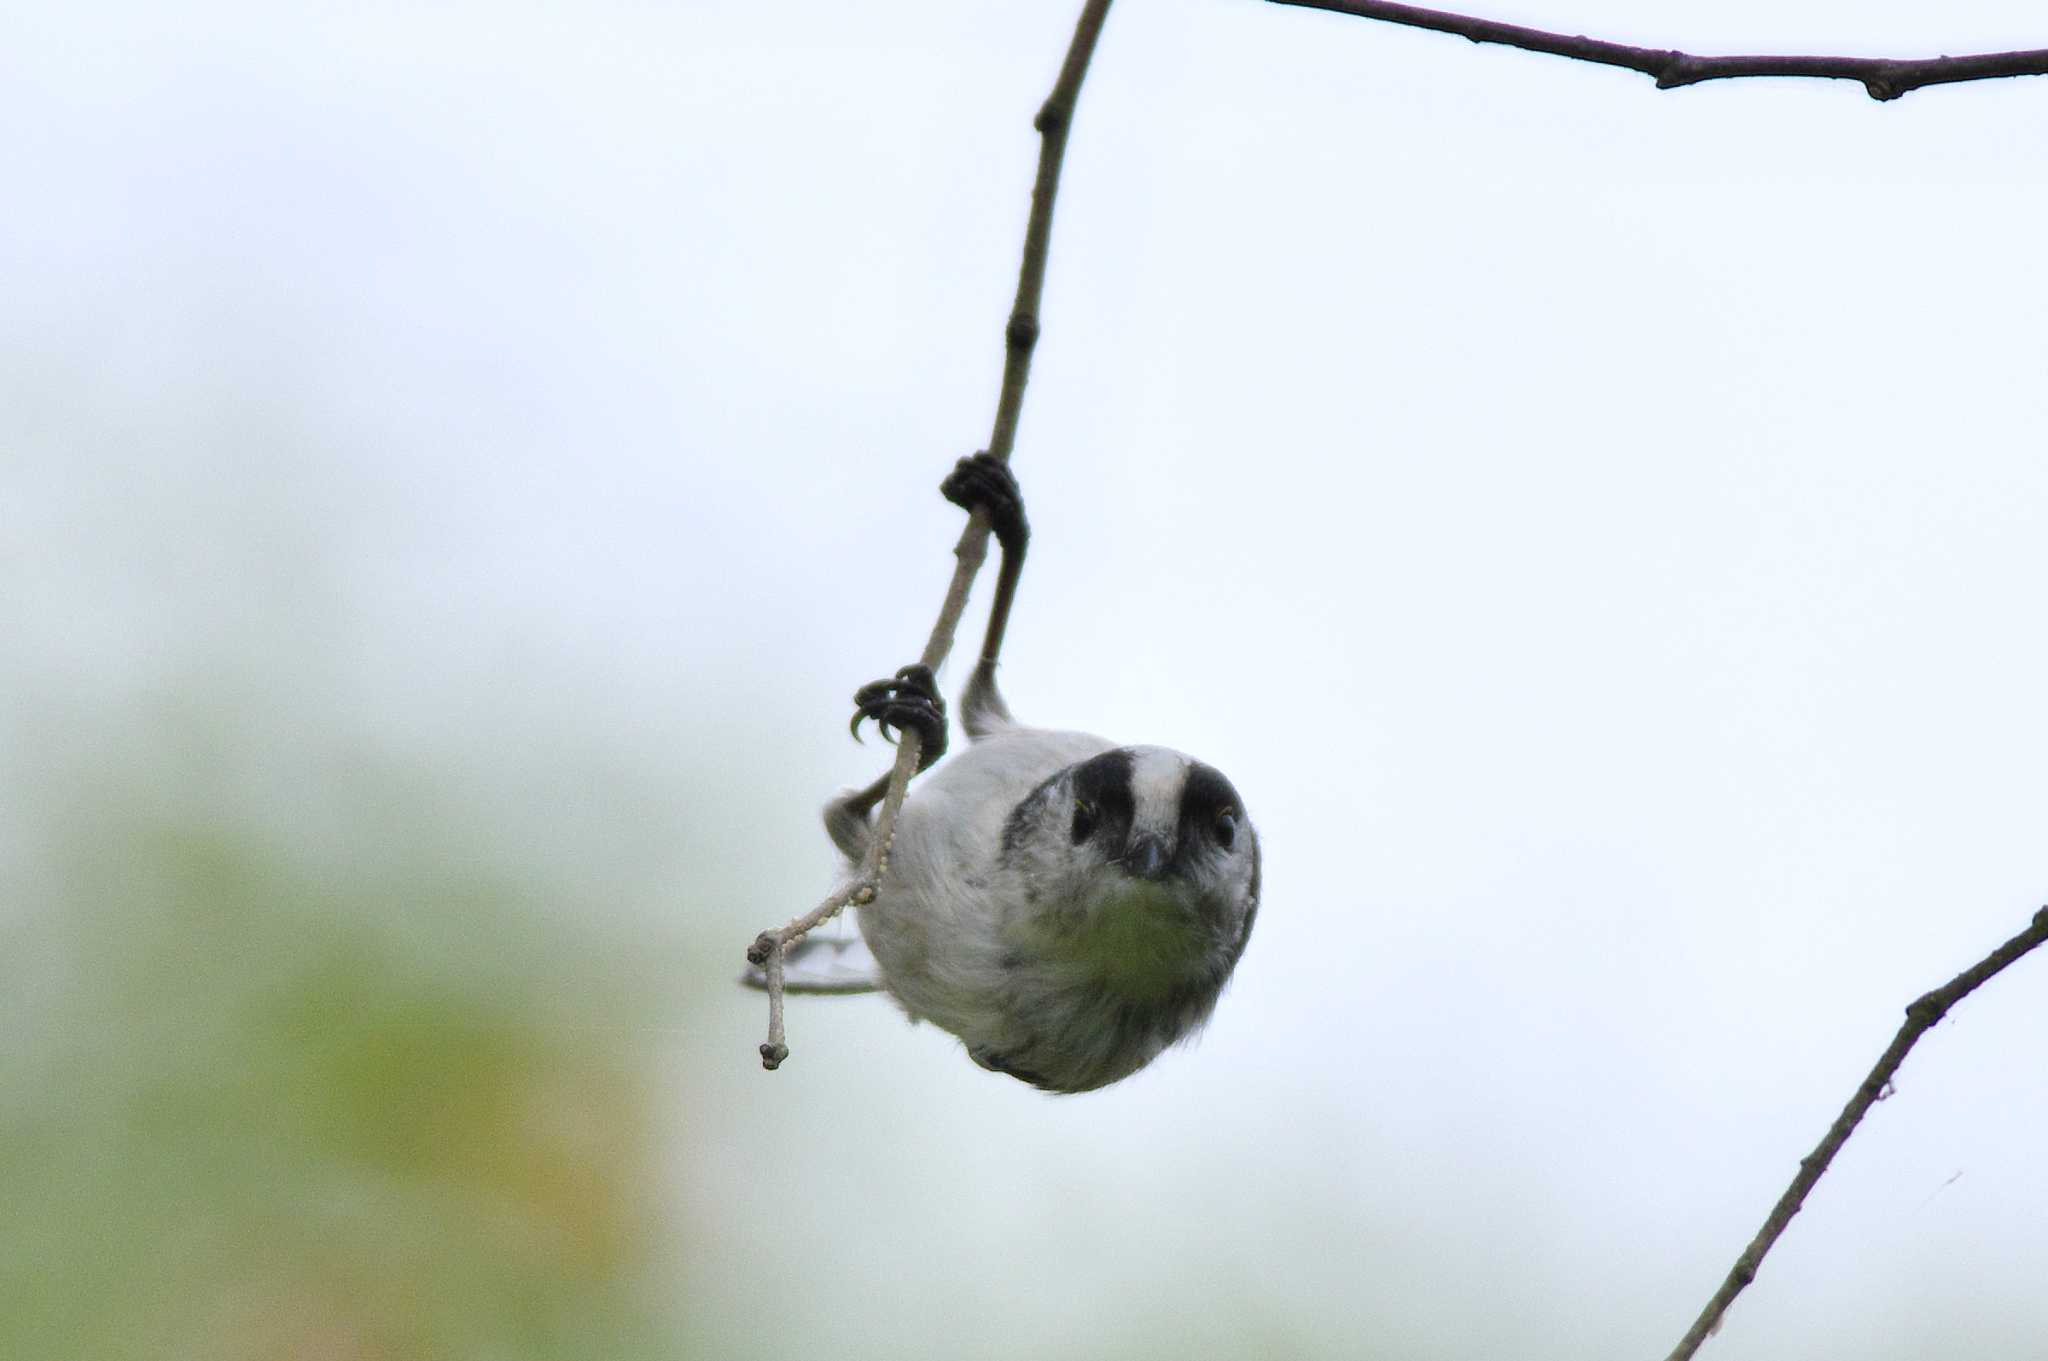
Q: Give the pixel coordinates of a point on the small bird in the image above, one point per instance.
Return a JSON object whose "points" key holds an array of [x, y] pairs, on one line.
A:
{"points": [[1066, 906]]}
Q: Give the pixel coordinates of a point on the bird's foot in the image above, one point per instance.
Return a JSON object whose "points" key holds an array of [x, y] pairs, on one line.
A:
{"points": [[909, 701], [984, 482]]}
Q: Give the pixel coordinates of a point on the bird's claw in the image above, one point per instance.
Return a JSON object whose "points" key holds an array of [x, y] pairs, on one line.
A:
{"points": [[909, 701], [984, 482]]}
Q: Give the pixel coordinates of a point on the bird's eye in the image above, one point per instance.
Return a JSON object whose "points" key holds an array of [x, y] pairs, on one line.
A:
{"points": [[1225, 828], [1084, 820]]}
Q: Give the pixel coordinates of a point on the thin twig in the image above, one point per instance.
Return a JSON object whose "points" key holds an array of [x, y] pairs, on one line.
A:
{"points": [[1883, 77], [1921, 1017], [1020, 337]]}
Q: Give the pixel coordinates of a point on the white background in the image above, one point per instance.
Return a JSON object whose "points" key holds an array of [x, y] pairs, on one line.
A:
{"points": [[1599, 531]]}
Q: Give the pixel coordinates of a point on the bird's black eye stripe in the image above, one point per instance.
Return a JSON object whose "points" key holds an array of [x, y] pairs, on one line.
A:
{"points": [[1102, 797], [1209, 806]]}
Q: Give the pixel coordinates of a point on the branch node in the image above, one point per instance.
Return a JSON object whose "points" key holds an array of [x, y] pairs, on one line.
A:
{"points": [[1051, 118], [1678, 68], [1885, 83], [763, 946], [1926, 1011], [1022, 332]]}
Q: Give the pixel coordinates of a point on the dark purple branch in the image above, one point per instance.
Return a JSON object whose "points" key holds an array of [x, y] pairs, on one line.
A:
{"points": [[1883, 77], [1921, 1017]]}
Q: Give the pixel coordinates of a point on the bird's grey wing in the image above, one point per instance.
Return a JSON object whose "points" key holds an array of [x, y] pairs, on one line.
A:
{"points": [[825, 964]]}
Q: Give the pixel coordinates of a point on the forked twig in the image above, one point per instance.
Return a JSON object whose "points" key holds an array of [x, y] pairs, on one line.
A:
{"points": [[1020, 337], [1882, 77], [1921, 1017]]}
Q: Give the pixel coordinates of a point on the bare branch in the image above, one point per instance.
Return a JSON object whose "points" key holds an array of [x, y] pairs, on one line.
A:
{"points": [[1883, 77], [1921, 1017], [1020, 336]]}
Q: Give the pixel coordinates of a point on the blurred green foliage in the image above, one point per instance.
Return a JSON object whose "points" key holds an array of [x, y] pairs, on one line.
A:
{"points": [[258, 1106]]}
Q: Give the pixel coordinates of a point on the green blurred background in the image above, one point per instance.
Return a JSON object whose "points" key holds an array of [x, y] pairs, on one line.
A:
{"points": [[301, 1055]]}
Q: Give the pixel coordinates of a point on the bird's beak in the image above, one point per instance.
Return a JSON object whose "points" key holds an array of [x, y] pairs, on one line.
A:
{"points": [[1146, 857]]}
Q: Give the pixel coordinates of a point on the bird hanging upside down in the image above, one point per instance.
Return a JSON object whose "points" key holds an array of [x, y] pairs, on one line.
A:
{"points": [[1067, 907]]}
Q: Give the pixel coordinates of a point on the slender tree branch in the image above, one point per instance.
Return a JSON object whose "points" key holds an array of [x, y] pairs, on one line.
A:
{"points": [[1020, 337], [1921, 1017], [1883, 77]]}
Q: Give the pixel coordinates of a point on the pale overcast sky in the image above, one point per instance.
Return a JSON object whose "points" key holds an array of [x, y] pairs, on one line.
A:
{"points": [[1600, 532]]}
